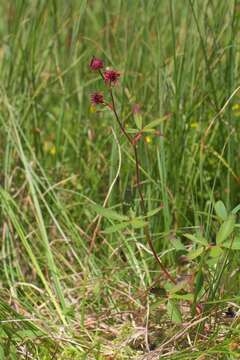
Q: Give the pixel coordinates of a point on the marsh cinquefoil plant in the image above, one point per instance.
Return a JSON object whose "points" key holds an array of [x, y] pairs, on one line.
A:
{"points": [[110, 78]]}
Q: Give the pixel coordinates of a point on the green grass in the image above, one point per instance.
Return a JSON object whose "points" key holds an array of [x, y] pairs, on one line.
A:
{"points": [[67, 295]]}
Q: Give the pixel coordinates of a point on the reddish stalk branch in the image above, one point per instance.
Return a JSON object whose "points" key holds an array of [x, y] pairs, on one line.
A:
{"points": [[138, 178]]}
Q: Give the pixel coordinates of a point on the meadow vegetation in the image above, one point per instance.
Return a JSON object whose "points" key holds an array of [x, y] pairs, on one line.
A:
{"points": [[79, 277]]}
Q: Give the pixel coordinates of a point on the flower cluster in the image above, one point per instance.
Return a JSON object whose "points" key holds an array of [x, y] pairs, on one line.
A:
{"points": [[109, 76]]}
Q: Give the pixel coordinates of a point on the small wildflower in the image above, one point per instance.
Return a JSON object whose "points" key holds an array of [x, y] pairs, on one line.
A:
{"points": [[96, 64], [97, 98], [194, 125], [92, 108], [53, 150], [236, 107], [111, 77], [148, 139]]}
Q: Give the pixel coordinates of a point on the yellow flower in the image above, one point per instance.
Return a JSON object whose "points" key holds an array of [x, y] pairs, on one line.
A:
{"points": [[148, 139], [49, 147], [93, 109], [236, 107], [53, 150], [194, 125]]}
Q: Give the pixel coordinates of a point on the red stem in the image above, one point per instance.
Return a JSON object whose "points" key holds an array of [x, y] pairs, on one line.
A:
{"points": [[142, 204]]}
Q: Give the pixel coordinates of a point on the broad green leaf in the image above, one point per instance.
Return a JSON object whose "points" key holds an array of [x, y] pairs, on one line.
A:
{"points": [[195, 253], [229, 244], [173, 311], [226, 229], [108, 213], [196, 238], [221, 210]]}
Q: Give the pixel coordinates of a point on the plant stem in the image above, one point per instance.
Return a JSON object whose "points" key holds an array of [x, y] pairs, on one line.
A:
{"points": [[138, 177]]}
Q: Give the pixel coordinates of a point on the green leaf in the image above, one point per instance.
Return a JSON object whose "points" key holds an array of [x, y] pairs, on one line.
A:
{"points": [[215, 251], [181, 285], [23, 334], [155, 123], [234, 245], [236, 209], [186, 297], [138, 121], [198, 283], [153, 212], [196, 239], [177, 244], [108, 213], [138, 223], [117, 227], [221, 210], [226, 229], [132, 131], [174, 311], [195, 253]]}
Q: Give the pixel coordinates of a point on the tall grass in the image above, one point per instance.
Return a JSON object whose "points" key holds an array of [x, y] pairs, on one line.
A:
{"points": [[59, 161]]}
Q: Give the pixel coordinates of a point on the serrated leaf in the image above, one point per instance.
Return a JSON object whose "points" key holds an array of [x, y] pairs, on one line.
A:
{"points": [[220, 210], [177, 244], [226, 229], [174, 312], [138, 223], [117, 227], [195, 253], [108, 213], [153, 212], [196, 238]]}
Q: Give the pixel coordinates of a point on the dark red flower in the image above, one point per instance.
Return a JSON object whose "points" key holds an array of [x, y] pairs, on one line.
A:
{"points": [[96, 64], [97, 98], [111, 77]]}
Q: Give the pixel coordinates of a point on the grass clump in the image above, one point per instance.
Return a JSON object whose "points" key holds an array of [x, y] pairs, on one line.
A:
{"points": [[119, 195]]}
